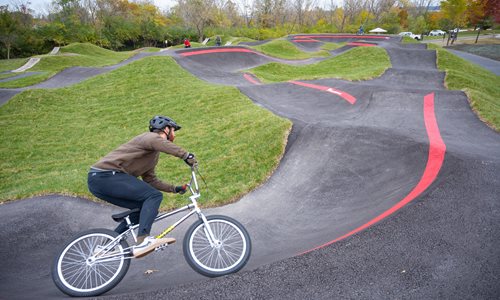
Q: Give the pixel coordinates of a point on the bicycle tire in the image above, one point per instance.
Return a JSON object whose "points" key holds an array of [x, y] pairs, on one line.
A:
{"points": [[74, 275], [228, 257]]}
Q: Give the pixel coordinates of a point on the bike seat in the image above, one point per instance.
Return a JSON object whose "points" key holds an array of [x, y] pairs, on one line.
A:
{"points": [[119, 217]]}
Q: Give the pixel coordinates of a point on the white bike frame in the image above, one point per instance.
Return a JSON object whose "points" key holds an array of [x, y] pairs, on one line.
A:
{"points": [[193, 208]]}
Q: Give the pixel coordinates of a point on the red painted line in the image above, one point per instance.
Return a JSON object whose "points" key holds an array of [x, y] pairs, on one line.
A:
{"points": [[341, 37], [437, 151], [346, 96], [225, 50], [250, 78], [361, 44]]}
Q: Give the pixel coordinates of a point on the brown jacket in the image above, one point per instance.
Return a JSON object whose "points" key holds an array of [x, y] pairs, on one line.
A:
{"points": [[139, 156]]}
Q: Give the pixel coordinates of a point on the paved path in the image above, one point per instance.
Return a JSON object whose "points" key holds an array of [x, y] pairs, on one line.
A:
{"points": [[487, 63], [396, 188]]}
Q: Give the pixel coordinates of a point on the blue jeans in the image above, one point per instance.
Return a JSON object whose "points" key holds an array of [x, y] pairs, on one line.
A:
{"points": [[129, 192]]}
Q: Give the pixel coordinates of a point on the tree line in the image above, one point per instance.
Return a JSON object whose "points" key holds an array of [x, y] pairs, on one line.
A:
{"points": [[124, 24]]}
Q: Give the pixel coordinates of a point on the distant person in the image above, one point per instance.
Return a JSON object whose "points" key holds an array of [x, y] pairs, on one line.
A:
{"points": [[187, 44], [455, 35], [452, 36], [218, 41], [361, 30]]}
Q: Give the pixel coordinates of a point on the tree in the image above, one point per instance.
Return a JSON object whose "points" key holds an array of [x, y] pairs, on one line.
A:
{"points": [[403, 17], [418, 25], [454, 10], [481, 13], [390, 20], [378, 7], [196, 14], [9, 26], [301, 7], [492, 10]]}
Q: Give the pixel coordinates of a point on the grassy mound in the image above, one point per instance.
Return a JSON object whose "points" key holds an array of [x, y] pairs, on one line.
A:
{"points": [[409, 40], [237, 40], [285, 49], [481, 85], [81, 55], [237, 143], [88, 49], [12, 64], [356, 64]]}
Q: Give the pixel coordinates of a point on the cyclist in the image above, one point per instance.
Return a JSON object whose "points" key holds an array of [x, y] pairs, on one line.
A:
{"points": [[114, 179]]}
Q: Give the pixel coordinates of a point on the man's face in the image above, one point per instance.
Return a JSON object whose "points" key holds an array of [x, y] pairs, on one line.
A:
{"points": [[171, 137]]}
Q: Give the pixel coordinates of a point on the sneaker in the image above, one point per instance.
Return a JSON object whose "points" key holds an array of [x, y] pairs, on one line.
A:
{"points": [[149, 244]]}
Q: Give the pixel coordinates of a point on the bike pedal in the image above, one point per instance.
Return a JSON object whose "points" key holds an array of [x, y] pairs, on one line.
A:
{"points": [[161, 247]]}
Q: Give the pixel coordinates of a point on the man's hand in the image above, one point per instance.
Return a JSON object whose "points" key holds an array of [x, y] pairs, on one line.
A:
{"points": [[181, 189], [191, 160]]}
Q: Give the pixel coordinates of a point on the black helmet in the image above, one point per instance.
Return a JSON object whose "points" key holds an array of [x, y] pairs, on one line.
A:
{"points": [[160, 122]]}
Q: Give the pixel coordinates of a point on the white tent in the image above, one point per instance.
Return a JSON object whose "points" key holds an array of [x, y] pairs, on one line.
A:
{"points": [[378, 30]]}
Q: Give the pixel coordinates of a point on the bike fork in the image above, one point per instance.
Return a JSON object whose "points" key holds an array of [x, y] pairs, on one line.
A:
{"points": [[208, 231]]}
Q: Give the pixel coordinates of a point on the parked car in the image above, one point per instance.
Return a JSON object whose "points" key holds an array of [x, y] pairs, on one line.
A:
{"points": [[436, 32], [418, 37]]}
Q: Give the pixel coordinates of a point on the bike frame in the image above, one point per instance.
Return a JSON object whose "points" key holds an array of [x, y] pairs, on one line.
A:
{"points": [[193, 209]]}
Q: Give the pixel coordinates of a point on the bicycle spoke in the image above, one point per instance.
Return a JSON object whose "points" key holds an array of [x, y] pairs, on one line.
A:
{"points": [[230, 255], [79, 275], [101, 275], [74, 274]]}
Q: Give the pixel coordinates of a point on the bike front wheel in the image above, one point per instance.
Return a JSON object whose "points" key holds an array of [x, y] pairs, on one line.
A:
{"points": [[88, 266], [227, 254]]}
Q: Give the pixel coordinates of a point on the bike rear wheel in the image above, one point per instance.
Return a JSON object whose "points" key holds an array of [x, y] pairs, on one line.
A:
{"points": [[229, 254], [85, 268]]}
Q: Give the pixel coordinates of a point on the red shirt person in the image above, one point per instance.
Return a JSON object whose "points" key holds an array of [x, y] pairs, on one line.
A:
{"points": [[187, 44]]}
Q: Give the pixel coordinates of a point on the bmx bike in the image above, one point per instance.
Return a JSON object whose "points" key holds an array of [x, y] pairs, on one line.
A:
{"points": [[95, 261]]}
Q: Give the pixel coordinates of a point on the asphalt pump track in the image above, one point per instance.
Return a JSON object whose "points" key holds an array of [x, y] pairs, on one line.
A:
{"points": [[388, 189]]}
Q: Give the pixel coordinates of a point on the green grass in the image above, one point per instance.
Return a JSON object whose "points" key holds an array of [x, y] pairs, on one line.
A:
{"points": [[237, 40], [82, 55], [481, 86], [351, 65], [332, 46], [8, 75], [12, 64], [151, 49], [287, 50], [51, 137], [409, 40]]}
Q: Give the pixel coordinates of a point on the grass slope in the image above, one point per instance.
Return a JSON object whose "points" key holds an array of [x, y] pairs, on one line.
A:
{"points": [[481, 86], [12, 64], [50, 137], [82, 55], [285, 49], [356, 64]]}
